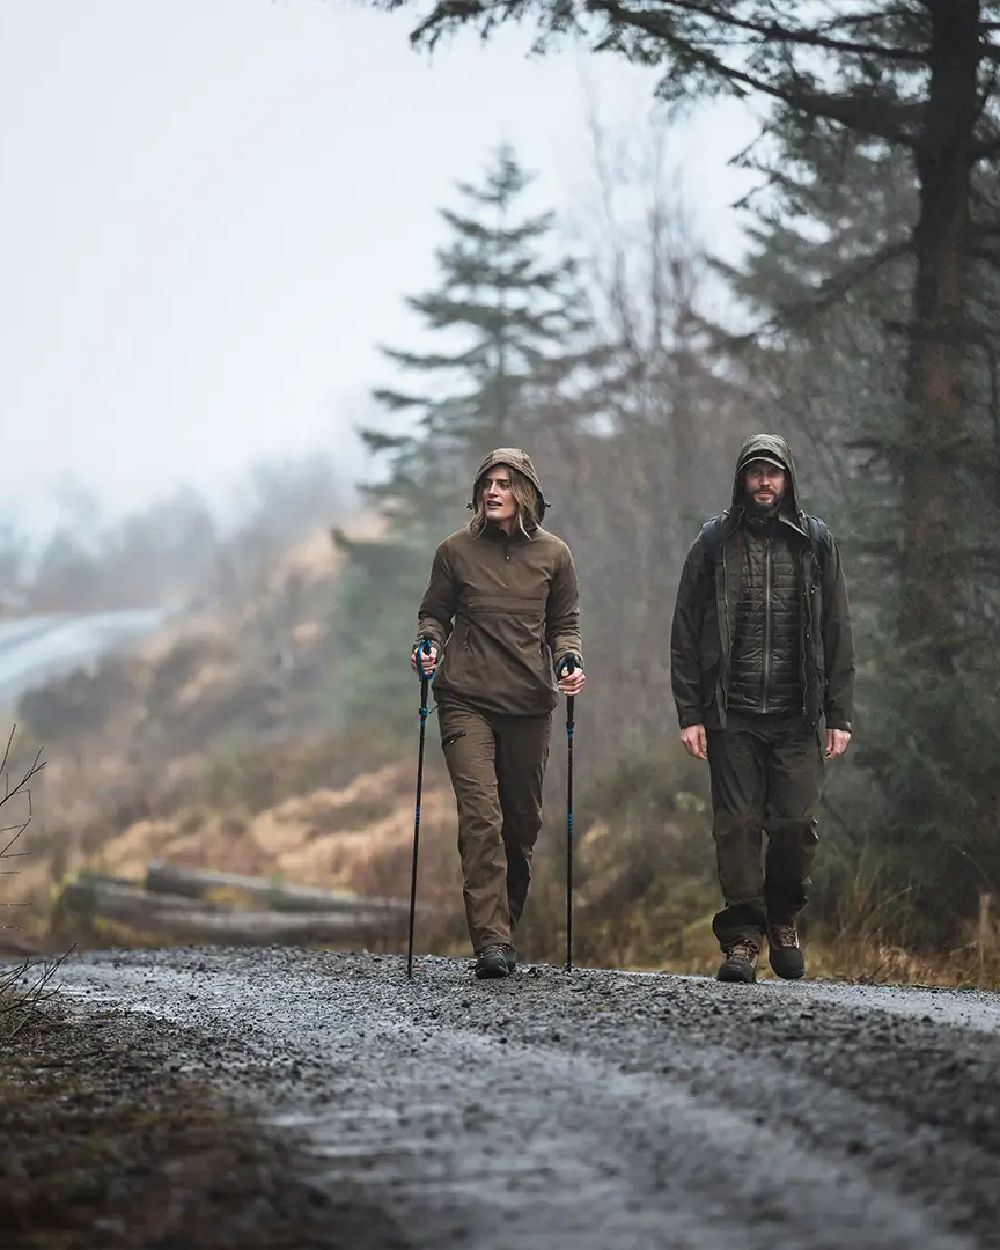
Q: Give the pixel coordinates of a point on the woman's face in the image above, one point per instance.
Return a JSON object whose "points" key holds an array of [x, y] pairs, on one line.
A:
{"points": [[498, 497]]}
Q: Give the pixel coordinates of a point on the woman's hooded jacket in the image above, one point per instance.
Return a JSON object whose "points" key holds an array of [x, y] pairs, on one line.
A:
{"points": [[503, 610]]}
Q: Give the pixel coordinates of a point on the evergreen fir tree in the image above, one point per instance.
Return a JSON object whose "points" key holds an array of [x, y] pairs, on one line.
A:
{"points": [[511, 360], [505, 318]]}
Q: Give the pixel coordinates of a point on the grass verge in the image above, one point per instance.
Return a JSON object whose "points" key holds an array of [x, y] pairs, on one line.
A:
{"points": [[108, 1143]]}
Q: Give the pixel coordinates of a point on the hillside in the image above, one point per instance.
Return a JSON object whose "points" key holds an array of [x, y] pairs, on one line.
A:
{"points": [[218, 743]]}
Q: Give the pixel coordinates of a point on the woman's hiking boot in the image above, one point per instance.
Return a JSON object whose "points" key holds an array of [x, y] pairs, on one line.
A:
{"points": [[492, 961], [740, 963], [784, 952]]}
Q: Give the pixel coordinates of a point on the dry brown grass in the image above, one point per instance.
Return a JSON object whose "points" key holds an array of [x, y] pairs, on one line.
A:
{"points": [[863, 959], [873, 960]]}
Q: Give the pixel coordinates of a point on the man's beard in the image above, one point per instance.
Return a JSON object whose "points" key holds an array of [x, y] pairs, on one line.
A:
{"points": [[764, 507]]}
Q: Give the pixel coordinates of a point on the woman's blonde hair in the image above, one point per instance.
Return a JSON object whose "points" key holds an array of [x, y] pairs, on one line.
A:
{"points": [[525, 501]]}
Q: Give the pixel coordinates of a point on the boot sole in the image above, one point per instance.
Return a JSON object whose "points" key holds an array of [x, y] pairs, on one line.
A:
{"points": [[492, 974], [735, 976], [792, 972]]}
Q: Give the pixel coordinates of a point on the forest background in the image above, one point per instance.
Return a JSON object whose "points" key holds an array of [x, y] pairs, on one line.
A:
{"points": [[861, 325]]}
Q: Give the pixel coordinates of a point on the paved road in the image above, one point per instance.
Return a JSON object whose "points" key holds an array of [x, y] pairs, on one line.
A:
{"points": [[599, 1110], [36, 648]]}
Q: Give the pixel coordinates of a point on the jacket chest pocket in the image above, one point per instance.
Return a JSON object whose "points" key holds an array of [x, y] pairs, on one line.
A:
{"points": [[463, 632]]}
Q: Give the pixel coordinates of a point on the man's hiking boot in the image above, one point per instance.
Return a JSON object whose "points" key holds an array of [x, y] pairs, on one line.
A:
{"points": [[492, 961], [740, 963], [784, 951]]}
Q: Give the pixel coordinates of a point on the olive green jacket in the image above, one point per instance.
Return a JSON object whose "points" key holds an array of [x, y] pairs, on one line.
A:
{"points": [[504, 610]]}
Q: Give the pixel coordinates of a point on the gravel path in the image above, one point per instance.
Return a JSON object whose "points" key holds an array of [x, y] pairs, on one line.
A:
{"points": [[597, 1109]]}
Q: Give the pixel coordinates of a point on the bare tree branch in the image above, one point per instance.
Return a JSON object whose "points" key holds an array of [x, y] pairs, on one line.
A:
{"points": [[17, 1010], [16, 830]]}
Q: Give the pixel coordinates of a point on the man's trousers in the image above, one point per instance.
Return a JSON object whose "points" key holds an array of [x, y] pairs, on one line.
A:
{"points": [[767, 777], [496, 764]]}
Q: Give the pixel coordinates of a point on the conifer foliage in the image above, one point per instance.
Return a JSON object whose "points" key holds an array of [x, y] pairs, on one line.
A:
{"points": [[509, 358]]}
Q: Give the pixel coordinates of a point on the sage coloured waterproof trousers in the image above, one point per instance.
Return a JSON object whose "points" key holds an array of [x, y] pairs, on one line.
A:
{"points": [[496, 764]]}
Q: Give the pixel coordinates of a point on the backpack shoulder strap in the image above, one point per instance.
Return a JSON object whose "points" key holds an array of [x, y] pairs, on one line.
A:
{"points": [[711, 537], [820, 539]]}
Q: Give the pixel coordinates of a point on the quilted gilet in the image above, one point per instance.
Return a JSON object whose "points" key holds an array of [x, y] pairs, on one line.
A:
{"points": [[766, 672]]}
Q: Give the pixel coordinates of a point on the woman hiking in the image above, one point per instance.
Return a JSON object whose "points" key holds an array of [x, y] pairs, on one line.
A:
{"points": [[502, 616]]}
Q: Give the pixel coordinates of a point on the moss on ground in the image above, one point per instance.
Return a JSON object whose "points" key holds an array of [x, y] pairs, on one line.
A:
{"points": [[107, 1144]]}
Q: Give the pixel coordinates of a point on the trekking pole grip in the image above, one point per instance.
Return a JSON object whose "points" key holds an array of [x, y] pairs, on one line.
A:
{"points": [[423, 648]]}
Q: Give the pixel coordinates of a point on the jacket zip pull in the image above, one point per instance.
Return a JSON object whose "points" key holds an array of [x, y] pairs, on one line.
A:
{"points": [[767, 622], [722, 611], [804, 638]]}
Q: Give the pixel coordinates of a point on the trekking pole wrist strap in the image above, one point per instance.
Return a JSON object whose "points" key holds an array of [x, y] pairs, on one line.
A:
{"points": [[420, 648]]}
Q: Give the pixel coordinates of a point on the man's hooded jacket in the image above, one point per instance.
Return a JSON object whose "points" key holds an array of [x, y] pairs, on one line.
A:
{"points": [[502, 609], [710, 593]]}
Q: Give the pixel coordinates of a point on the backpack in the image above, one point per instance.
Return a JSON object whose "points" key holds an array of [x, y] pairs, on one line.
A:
{"points": [[820, 540]]}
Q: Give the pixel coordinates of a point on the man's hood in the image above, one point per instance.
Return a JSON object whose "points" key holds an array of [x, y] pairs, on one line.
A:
{"points": [[515, 458], [770, 447]]}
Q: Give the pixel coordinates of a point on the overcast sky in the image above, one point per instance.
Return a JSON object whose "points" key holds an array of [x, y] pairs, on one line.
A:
{"points": [[212, 209]]}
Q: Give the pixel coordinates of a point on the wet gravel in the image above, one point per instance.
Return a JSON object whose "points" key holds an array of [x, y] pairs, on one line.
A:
{"points": [[593, 1109]]}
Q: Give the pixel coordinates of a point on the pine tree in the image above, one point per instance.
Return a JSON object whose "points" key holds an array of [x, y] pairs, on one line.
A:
{"points": [[505, 318], [511, 361]]}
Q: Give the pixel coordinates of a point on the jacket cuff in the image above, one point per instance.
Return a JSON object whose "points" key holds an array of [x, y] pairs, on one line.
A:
{"points": [[837, 722], [689, 717]]}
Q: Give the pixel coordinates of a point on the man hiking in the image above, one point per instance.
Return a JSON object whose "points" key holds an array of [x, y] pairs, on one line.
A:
{"points": [[762, 660], [502, 615]]}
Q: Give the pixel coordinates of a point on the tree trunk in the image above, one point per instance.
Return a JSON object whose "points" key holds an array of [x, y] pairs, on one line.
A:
{"points": [[201, 883], [930, 599], [83, 906]]}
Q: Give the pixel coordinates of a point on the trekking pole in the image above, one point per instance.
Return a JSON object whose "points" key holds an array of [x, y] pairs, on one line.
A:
{"points": [[570, 667], [423, 649]]}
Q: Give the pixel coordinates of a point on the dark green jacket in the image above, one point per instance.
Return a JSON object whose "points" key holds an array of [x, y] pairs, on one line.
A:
{"points": [[709, 593]]}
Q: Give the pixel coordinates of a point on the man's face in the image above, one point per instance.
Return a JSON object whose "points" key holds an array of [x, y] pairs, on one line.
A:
{"points": [[765, 485], [498, 497]]}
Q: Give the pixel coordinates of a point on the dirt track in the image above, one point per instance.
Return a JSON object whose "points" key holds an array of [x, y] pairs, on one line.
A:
{"points": [[597, 1110]]}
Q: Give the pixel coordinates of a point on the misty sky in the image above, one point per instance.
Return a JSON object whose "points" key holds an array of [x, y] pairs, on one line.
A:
{"points": [[212, 209]]}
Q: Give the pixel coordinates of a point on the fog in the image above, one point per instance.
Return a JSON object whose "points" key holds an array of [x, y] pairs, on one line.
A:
{"points": [[212, 213]]}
